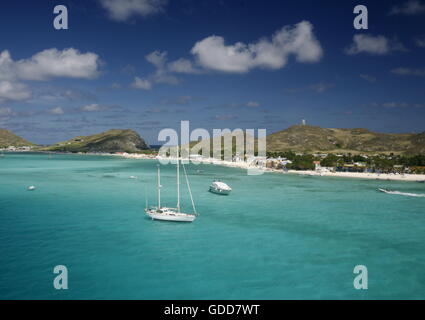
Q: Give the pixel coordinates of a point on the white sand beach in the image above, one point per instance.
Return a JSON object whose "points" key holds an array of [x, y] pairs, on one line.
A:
{"points": [[245, 166], [364, 175]]}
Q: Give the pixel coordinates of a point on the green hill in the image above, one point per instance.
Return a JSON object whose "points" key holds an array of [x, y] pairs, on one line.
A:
{"points": [[109, 141], [316, 139], [8, 139]]}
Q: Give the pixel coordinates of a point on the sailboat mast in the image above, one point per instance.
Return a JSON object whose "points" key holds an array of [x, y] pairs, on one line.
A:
{"points": [[188, 188], [159, 188], [178, 186]]}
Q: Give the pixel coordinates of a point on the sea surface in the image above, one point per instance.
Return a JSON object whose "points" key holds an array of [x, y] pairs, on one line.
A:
{"points": [[275, 237]]}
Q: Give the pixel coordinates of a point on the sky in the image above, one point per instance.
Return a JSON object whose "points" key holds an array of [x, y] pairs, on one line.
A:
{"points": [[146, 65]]}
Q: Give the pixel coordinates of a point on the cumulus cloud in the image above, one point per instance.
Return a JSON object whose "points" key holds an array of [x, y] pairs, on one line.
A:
{"points": [[122, 10], [299, 40], [10, 90], [140, 83], [164, 70], [183, 66], [212, 54], [375, 45], [409, 72], [50, 63], [42, 66], [411, 7]]}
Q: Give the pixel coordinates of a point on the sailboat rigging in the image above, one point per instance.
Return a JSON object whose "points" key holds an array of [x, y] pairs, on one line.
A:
{"points": [[172, 214]]}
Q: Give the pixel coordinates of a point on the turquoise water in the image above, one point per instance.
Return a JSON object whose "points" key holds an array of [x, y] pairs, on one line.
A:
{"points": [[275, 237]]}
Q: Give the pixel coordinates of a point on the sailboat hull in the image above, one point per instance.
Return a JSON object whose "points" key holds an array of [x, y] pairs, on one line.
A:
{"points": [[170, 216], [166, 217]]}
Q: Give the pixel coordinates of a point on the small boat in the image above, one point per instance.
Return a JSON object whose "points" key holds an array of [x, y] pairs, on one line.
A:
{"points": [[172, 214], [408, 194], [31, 188], [219, 187], [133, 177]]}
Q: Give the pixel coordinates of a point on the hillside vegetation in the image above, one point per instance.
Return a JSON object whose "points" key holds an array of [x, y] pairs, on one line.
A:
{"points": [[8, 139], [109, 141], [316, 139]]}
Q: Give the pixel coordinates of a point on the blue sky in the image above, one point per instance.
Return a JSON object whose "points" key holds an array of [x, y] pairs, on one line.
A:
{"points": [[148, 64]]}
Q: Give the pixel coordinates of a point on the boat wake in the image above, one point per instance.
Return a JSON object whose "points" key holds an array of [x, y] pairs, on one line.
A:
{"points": [[406, 194]]}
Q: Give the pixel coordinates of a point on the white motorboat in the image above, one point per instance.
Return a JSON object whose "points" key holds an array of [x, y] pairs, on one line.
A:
{"points": [[172, 214], [219, 187], [31, 188]]}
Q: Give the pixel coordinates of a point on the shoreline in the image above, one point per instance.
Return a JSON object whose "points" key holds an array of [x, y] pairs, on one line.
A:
{"points": [[420, 178], [364, 175], [245, 166]]}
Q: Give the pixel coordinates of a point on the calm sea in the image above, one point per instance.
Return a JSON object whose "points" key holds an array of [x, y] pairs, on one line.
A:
{"points": [[275, 237]]}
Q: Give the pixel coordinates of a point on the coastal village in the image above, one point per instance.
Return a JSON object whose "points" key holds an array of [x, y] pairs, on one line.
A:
{"points": [[372, 165]]}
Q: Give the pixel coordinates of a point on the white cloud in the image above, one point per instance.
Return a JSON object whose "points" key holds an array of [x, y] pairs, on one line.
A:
{"points": [[56, 111], [157, 58], [10, 90], [91, 107], [376, 45], [50, 63], [411, 7], [368, 78], [212, 52], [182, 66], [140, 83], [253, 104], [163, 71], [409, 72], [122, 10]]}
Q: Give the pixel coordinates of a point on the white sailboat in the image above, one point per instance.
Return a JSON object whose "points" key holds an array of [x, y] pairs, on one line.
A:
{"points": [[172, 214]]}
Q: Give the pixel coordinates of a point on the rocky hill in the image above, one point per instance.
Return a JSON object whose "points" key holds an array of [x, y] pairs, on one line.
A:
{"points": [[301, 138], [8, 139], [109, 141]]}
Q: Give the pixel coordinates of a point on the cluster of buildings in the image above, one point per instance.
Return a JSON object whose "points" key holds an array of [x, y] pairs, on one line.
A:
{"points": [[14, 149]]}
